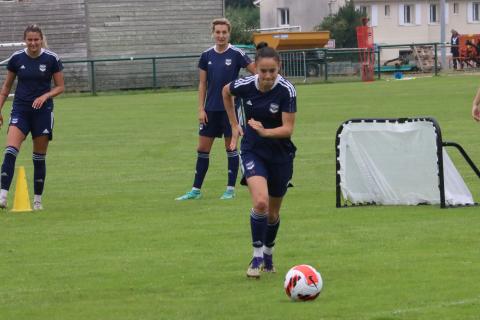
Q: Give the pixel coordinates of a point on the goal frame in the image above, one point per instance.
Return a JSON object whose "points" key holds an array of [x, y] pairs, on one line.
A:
{"points": [[342, 203]]}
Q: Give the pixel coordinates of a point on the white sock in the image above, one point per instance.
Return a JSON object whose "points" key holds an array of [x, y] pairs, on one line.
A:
{"points": [[257, 252], [268, 250], [3, 193], [195, 189], [230, 188], [37, 198]]}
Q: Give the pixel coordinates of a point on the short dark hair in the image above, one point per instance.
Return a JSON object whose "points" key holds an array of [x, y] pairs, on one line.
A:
{"points": [[261, 45], [267, 52]]}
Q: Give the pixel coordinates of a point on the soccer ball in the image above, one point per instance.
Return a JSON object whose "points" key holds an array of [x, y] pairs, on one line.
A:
{"points": [[303, 283]]}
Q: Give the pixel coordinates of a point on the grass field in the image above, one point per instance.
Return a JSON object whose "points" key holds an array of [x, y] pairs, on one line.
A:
{"points": [[113, 244]]}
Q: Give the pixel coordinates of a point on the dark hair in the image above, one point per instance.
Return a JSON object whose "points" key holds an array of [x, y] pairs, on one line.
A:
{"points": [[267, 52], [261, 45]]}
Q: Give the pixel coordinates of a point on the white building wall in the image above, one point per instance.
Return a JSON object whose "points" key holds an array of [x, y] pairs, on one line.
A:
{"points": [[304, 13]]}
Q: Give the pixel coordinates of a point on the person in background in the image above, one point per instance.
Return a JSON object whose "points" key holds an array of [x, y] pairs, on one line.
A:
{"points": [[454, 49], [217, 66], [32, 110]]}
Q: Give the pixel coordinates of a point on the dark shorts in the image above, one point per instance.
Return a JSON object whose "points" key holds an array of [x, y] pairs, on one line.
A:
{"points": [[38, 123], [278, 175], [217, 125]]}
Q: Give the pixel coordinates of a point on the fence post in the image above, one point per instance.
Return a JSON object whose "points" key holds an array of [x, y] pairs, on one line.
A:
{"points": [[304, 66], [436, 60], [378, 62], [326, 64], [92, 74], [154, 72]]}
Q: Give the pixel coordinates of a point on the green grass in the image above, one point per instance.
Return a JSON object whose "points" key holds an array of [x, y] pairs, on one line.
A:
{"points": [[112, 243]]}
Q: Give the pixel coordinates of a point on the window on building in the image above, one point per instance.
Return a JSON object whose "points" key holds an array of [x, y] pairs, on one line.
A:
{"points": [[455, 8], [364, 10], [408, 14], [283, 17], [433, 13], [476, 11], [387, 10]]}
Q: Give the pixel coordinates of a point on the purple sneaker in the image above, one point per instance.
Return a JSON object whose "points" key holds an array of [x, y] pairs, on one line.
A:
{"points": [[268, 263], [253, 270]]}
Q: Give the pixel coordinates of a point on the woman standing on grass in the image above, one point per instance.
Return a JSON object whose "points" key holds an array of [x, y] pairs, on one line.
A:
{"points": [[217, 66], [266, 150], [32, 109]]}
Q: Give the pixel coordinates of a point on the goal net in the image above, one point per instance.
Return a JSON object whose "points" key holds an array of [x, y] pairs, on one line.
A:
{"points": [[6, 50], [9, 46], [396, 162]]}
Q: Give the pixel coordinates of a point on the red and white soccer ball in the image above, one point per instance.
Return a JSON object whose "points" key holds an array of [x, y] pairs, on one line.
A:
{"points": [[303, 283]]}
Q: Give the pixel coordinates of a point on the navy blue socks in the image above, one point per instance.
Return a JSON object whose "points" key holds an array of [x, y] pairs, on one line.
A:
{"points": [[233, 163], [8, 167], [201, 169], [39, 172], [258, 225]]}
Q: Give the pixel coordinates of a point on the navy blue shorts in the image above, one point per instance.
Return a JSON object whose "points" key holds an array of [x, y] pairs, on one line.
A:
{"points": [[217, 125], [278, 175], [38, 123]]}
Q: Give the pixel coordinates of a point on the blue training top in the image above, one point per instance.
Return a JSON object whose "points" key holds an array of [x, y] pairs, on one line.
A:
{"points": [[221, 69], [34, 77], [266, 107]]}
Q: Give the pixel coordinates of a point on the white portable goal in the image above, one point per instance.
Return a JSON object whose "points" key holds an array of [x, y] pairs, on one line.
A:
{"points": [[397, 162], [13, 45]]}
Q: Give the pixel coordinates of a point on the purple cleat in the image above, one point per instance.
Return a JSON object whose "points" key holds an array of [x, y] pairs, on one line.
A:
{"points": [[268, 263], [253, 270]]}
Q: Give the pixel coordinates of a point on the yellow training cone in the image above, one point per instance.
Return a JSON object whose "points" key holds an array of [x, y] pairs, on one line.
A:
{"points": [[21, 202]]}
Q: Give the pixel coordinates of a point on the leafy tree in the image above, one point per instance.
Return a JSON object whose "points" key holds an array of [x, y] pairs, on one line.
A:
{"points": [[342, 25], [239, 3], [243, 20]]}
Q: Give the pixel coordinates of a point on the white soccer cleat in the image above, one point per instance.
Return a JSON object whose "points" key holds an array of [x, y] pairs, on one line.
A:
{"points": [[254, 268], [37, 205], [3, 203]]}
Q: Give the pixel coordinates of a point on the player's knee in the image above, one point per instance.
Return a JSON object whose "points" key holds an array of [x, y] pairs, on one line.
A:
{"points": [[261, 204]]}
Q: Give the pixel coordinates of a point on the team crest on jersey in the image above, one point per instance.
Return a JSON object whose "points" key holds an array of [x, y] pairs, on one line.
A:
{"points": [[43, 67], [274, 108], [228, 62]]}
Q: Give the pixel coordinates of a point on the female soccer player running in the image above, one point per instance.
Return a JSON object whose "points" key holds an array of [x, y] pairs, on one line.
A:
{"points": [[217, 66], [32, 109], [266, 149]]}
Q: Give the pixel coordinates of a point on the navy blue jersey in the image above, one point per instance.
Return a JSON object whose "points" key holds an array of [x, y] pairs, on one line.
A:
{"points": [[34, 77], [221, 69], [266, 107]]}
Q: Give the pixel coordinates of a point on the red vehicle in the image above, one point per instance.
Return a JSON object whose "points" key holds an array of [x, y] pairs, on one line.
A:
{"points": [[469, 50]]}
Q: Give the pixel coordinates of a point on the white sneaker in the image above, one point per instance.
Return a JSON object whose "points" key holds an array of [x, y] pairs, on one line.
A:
{"points": [[37, 205], [3, 203]]}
